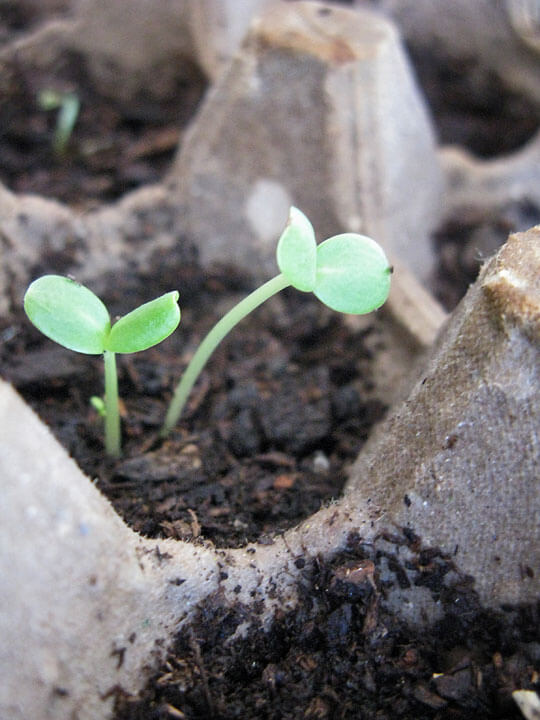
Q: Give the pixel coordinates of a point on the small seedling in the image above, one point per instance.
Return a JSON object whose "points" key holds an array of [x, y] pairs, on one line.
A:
{"points": [[68, 106], [349, 273], [71, 315]]}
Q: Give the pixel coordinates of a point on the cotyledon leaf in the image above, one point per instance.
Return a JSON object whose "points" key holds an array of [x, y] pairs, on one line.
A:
{"points": [[68, 313], [145, 326], [353, 274], [296, 252]]}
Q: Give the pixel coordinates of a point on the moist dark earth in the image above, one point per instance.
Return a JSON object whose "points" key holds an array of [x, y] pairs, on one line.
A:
{"points": [[235, 470], [341, 654], [281, 410]]}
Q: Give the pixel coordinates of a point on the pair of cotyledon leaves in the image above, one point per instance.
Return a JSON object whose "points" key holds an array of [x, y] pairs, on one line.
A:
{"points": [[347, 272], [71, 315], [350, 273]]}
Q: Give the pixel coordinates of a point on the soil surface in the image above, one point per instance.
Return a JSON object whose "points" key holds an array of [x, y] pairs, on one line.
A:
{"points": [[343, 654], [283, 406], [113, 146], [471, 106], [281, 409]]}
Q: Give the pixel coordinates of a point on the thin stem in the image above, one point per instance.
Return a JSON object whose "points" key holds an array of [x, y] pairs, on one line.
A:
{"points": [[211, 341], [112, 417], [67, 117]]}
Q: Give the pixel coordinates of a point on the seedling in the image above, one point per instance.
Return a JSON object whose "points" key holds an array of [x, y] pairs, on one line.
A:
{"points": [[68, 106], [71, 315], [349, 273]]}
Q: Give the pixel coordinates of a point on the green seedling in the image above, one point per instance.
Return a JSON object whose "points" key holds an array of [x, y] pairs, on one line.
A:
{"points": [[349, 273], [68, 106], [71, 315], [99, 405]]}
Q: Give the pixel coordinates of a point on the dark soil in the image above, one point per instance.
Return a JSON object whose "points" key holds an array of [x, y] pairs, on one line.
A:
{"points": [[282, 408], [343, 654], [470, 105], [467, 241], [114, 146]]}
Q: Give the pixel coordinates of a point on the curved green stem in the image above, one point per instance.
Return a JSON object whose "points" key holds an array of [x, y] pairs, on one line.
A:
{"points": [[112, 417], [211, 341], [67, 117]]}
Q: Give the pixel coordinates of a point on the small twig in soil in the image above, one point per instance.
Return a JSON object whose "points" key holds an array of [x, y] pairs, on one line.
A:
{"points": [[196, 648]]}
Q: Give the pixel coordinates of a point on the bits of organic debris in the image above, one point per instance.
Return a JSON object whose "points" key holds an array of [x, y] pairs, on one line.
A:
{"points": [[454, 686], [283, 482], [429, 698]]}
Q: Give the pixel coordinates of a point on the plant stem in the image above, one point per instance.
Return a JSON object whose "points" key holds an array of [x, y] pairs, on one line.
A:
{"points": [[211, 341], [112, 417], [67, 117]]}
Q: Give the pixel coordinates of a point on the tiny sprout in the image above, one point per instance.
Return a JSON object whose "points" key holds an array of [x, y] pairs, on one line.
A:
{"points": [[68, 106], [71, 315], [99, 405], [349, 273]]}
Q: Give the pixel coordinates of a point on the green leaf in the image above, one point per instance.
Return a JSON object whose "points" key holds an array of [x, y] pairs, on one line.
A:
{"points": [[353, 274], [68, 313], [146, 326], [297, 252]]}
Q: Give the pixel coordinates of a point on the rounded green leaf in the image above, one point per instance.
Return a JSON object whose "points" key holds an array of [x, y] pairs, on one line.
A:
{"points": [[146, 326], [297, 252], [68, 313], [353, 274]]}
